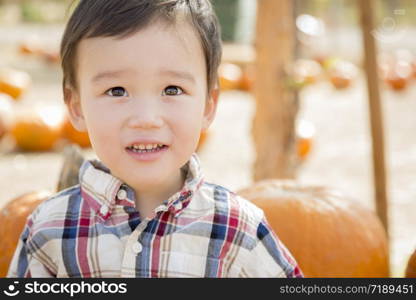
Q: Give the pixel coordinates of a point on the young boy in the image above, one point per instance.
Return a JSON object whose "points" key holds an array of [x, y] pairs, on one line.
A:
{"points": [[141, 77]]}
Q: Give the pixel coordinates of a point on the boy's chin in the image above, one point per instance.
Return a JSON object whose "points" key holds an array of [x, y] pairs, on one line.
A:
{"points": [[147, 179]]}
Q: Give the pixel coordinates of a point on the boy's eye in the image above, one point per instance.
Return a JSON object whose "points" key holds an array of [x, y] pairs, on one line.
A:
{"points": [[116, 92], [172, 90]]}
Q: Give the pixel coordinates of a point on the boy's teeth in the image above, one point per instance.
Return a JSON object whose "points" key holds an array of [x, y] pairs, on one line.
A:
{"points": [[146, 147]]}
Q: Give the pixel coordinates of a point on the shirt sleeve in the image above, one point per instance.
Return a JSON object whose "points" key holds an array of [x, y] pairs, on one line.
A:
{"points": [[23, 263], [269, 257]]}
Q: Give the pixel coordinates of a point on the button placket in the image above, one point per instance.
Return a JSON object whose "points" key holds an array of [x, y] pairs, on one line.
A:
{"points": [[133, 246], [141, 226]]}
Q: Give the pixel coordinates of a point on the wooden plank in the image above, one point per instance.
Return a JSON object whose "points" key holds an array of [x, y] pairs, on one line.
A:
{"points": [[376, 116], [274, 121]]}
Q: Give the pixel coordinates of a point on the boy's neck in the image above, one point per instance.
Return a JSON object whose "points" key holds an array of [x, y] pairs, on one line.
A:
{"points": [[147, 200]]}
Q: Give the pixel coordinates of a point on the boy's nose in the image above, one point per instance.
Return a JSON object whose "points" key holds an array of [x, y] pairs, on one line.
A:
{"points": [[146, 122], [145, 117]]}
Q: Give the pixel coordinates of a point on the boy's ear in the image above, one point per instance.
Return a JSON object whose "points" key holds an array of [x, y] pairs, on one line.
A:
{"points": [[210, 107], [73, 104]]}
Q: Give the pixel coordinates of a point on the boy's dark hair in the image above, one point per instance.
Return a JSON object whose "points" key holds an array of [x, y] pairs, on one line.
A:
{"points": [[121, 18]]}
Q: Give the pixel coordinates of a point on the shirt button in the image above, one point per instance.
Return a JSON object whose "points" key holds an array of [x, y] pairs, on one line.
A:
{"points": [[121, 194], [137, 247], [104, 210]]}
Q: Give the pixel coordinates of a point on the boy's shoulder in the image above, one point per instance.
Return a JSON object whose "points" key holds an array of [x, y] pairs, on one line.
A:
{"points": [[56, 205]]}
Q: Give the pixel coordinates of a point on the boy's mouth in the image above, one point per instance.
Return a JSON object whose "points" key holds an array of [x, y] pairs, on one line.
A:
{"points": [[146, 148]]}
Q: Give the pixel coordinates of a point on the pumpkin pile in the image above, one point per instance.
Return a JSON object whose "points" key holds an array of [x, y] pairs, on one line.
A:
{"points": [[33, 130], [37, 130], [329, 234], [396, 70], [42, 129], [340, 73], [302, 72]]}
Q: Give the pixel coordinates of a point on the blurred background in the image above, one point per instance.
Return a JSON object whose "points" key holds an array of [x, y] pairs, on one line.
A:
{"points": [[333, 142]]}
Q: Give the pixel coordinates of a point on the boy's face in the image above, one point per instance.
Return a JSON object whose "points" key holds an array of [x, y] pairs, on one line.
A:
{"points": [[147, 89]]}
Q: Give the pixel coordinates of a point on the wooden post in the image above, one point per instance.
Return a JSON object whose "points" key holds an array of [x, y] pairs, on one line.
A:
{"points": [[376, 118], [276, 105]]}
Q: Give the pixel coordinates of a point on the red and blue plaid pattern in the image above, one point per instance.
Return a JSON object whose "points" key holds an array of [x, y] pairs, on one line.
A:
{"points": [[204, 230]]}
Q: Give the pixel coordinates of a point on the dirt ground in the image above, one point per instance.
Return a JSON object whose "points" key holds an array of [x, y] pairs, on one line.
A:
{"points": [[341, 156]]}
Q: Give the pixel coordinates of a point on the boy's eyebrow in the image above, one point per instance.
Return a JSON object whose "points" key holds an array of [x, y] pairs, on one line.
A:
{"points": [[166, 72], [181, 74], [110, 74]]}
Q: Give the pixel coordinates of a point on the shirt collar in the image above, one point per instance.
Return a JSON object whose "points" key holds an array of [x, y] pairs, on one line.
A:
{"points": [[102, 190]]}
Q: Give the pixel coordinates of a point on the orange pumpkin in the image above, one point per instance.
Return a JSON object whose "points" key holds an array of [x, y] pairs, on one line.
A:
{"points": [[12, 221], [30, 47], [305, 132], [340, 81], [342, 73], [396, 83], [229, 76], [247, 78], [304, 147], [77, 137], [411, 266], [328, 234], [37, 131], [306, 71], [398, 75], [14, 82]]}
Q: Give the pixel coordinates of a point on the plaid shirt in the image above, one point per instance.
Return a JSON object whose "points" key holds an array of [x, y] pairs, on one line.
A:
{"points": [[94, 230]]}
